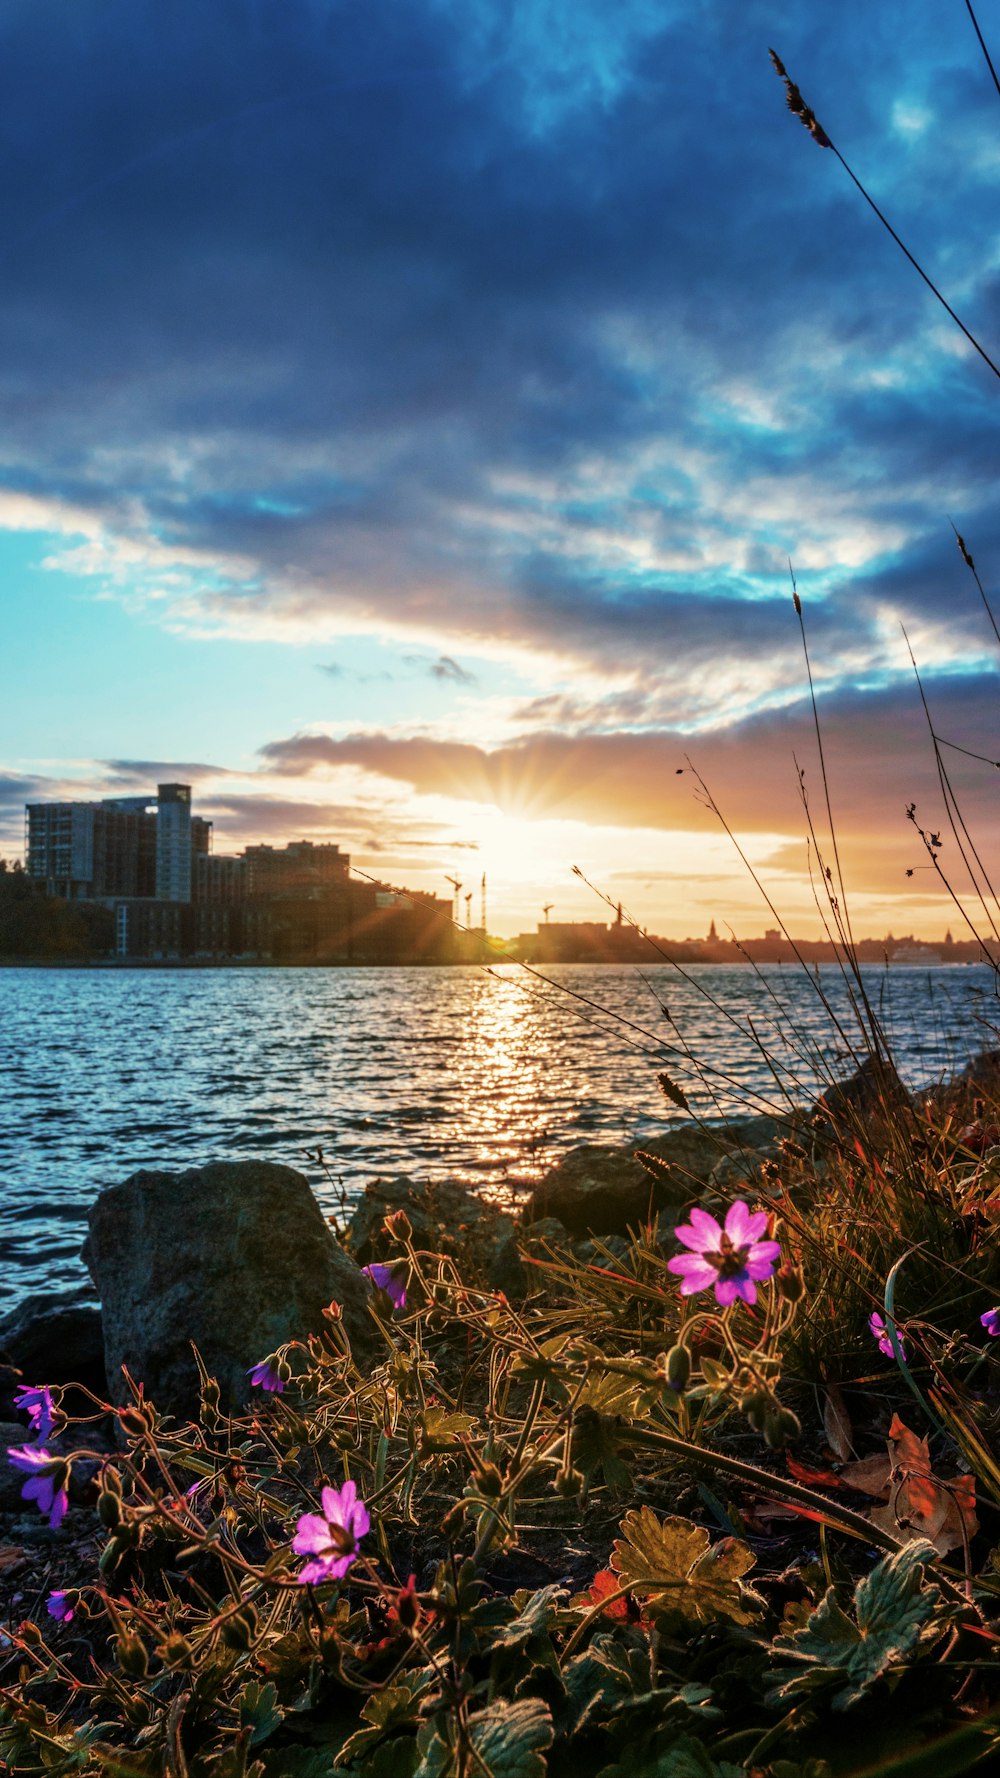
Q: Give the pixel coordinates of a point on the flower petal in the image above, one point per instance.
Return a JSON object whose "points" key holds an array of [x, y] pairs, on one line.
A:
{"points": [[737, 1217], [311, 1533], [761, 1260], [698, 1273], [707, 1230], [725, 1291]]}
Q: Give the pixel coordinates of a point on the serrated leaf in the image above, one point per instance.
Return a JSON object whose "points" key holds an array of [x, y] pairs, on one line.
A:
{"points": [[508, 1742], [510, 1739], [257, 1710], [592, 1682], [534, 1618], [441, 1430], [670, 1563], [893, 1604], [687, 1758], [393, 1707]]}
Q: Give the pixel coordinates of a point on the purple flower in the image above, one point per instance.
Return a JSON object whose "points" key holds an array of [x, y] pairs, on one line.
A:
{"points": [[880, 1332], [40, 1409], [731, 1258], [46, 1485], [61, 1606], [266, 1375], [391, 1279], [991, 1321], [331, 1537]]}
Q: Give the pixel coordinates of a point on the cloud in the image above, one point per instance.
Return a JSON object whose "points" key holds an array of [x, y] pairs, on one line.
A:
{"points": [[542, 338], [876, 747], [445, 668]]}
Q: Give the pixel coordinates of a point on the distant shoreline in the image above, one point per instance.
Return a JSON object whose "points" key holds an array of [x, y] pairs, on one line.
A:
{"points": [[201, 963]]}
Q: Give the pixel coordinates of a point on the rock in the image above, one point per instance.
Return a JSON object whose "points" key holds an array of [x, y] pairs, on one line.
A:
{"points": [[741, 1168], [235, 1256], [53, 1339], [539, 1240], [595, 1253], [597, 1191], [11, 1480], [873, 1088], [442, 1215]]}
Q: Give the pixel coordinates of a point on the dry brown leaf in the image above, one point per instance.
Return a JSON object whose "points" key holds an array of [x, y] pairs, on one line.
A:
{"points": [[869, 1476], [837, 1422], [11, 1557], [920, 1503]]}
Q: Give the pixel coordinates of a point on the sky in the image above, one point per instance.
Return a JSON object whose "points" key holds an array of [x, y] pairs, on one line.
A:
{"points": [[409, 412]]}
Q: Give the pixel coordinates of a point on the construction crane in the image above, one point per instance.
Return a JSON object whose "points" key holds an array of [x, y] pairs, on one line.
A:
{"points": [[456, 885], [482, 914], [547, 909]]}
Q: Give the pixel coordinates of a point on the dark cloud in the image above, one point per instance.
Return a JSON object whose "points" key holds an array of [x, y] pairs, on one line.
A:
{"points": [[447, 669], [143, 774], [410, 314]]}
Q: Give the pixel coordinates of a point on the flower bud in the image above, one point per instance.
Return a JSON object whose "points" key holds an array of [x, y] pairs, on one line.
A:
{"points": [[780, 1425], [407, 1605], [398, 1225], [488, 1480], [132, 1656], [790, 1282], [30, 1633], [677, 1367], [569, 1483], [453, 1522], [755, 1405], [238, 1631], [175, 1651], [333, 1312], [111, 1480], [109, 1508], [135, 1421]]}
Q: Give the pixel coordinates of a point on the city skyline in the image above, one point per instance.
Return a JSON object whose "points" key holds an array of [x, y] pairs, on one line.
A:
{"points": [[411, 414]]}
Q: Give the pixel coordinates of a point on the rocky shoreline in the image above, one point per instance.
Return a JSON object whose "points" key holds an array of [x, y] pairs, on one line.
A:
{"points": [[236, 1258]]}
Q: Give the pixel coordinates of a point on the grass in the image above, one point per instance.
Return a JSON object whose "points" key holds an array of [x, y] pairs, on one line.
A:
{"points": [[637, 1530]]}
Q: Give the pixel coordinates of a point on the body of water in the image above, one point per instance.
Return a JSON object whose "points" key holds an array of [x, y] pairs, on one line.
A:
{"points": [[481, 1076]]}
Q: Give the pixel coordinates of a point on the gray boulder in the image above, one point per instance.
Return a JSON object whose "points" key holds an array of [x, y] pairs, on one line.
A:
{"points": [[443, 1216], [52, 1339], [235, 1256], [512, 1270], [595, 1190]]}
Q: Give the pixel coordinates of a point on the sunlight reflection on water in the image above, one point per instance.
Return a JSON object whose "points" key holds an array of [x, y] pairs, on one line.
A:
{"points": [[481, 1076]]}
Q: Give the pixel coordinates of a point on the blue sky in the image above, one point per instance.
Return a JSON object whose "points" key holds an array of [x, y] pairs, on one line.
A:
{"points": [[407, 413]]}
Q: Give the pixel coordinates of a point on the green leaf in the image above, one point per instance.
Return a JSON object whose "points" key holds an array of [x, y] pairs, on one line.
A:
{"points": [[671, 1563], [257, 1710], [538, 1615], [440, 1430], [687, 1758], [394, 1707], [893, 1604], [510, 1739], [592, 1683]]}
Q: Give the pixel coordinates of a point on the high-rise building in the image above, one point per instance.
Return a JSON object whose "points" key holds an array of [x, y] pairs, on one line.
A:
{"points": [[91, 851], [173, 842], [135, 847]]}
